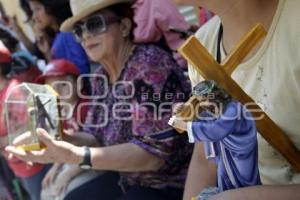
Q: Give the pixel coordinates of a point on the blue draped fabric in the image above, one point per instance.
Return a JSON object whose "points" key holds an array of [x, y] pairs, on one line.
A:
{"points": [[232, 141]]}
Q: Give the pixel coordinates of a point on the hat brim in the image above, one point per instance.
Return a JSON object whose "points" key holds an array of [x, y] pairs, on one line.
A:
{"points": [[68, 24]]}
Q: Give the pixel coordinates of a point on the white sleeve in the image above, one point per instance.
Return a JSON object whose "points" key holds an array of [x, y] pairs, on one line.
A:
{"points": [[190, 132]]}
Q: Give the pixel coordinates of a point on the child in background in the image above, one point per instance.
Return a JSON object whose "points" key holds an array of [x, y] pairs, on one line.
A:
{"points": [[23, 64], [154, 18], [228, 133], [48, 16], [62, 76], [30, 175]]}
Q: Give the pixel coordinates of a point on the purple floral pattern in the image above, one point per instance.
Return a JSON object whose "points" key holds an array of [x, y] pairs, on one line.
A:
{"points": [[155, 83]]}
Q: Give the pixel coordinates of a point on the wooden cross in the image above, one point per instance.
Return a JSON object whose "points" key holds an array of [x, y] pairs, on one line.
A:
{"points": [[197, 55]]}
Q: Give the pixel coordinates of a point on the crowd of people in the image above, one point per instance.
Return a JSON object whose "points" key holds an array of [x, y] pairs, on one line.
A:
{"points": [[121, 82]]}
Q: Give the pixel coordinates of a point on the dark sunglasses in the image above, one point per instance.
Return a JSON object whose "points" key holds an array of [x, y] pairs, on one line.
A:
{"points": [[95, 25]]}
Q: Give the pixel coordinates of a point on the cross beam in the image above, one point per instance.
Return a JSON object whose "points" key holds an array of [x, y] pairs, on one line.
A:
{"points": [[197, 55], [230, 64]]}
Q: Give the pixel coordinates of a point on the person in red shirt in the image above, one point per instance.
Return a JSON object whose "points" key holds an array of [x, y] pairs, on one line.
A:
{"points": [[62, 75], [29, 175]]}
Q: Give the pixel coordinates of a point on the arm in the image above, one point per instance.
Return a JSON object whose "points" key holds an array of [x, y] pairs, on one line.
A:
{"points": [[286, 192], [107, 158], [201, 173], [113, 158]]}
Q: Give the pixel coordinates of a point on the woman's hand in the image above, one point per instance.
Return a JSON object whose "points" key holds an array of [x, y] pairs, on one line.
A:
{"points": [[55, 151], [64, 178], [177, 108], [50, 176], [178, 123], [61, 184]]}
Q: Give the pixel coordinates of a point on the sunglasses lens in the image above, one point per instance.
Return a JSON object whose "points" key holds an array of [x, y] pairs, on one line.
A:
{"points": [[77, 31], [96, 25]]}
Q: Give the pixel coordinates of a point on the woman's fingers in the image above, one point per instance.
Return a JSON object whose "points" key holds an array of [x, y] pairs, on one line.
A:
{"points": [[177, 123], [62, 190], [45, 182], [47, 179], [19, 153], [172, 120], [55, 151], [44, 137], [27, 138], [24, 138], [15, 151], [178, 107], [28, 156]]}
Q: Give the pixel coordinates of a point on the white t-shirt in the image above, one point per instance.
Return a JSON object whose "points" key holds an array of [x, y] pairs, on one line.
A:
{"points": [[272, 78]]}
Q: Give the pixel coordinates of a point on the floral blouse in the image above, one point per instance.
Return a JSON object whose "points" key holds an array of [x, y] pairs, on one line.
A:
{"points": [[136, 109]]}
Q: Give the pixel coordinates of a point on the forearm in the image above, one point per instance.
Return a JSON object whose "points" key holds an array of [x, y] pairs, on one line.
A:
{"points": [[124, 157], [201, 174], [286, 192]]}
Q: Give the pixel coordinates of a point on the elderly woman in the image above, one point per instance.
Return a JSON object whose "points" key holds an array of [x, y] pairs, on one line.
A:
{"points": [[133, 92]]}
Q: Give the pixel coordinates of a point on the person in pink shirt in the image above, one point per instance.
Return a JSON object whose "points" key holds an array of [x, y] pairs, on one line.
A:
{"points": [[153, 19]]}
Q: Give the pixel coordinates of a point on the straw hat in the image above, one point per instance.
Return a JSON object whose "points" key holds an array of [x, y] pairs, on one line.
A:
{"points": [[83, 8]]}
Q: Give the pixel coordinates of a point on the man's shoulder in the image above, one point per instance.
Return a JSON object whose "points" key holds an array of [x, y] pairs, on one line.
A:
{"points": [[208, 33]]}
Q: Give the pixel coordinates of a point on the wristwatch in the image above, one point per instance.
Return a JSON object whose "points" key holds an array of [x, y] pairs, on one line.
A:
{"points": [[86, 163]]}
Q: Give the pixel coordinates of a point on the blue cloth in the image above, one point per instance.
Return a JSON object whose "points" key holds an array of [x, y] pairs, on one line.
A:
{"points": [[231, 139], [33, 184], [65, 47]]}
